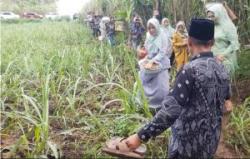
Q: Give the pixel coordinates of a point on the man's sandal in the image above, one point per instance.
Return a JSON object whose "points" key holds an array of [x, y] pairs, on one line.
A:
{"points": [[115, 147]]}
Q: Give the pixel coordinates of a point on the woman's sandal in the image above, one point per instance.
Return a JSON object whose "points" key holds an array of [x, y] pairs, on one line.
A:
{"points": [[115, 147]]}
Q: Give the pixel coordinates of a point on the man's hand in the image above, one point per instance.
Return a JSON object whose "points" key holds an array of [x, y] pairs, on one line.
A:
{"points": [[133, 141], [220, 58]]}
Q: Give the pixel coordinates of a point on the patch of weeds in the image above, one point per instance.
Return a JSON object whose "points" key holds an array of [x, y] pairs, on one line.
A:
{"points": [[125, 127], [239, 132]]}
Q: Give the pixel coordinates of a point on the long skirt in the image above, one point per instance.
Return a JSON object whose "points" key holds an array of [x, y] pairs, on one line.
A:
{"points": [[156, 87]]}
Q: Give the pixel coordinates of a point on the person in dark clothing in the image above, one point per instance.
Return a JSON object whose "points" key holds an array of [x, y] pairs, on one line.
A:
{"points": [[110, 29], [136, 32], [95, 25], [194, 107]]}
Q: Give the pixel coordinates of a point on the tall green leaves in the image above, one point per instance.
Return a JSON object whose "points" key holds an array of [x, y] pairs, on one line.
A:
{"points": [[239, 132]]}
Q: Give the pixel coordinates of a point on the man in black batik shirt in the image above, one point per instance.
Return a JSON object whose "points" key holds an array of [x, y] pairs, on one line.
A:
{"points": [[194, 107]]}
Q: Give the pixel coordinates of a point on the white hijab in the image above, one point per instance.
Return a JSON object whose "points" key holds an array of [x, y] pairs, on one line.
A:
{"points": [[168, 29], [159, 42], [181, 23], [224, 23], [156, 40]]}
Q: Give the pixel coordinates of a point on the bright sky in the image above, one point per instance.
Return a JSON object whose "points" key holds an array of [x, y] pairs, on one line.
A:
{"points": [[69, 7]]}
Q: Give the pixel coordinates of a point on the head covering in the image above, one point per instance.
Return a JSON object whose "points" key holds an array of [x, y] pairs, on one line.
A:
{"points": [[104, 21], [168, 30], [226, 37], [153, 43], [162, 22], [102, 24], [220, 13], [181, 23], [154, 22], [223, 23], [201, 29]]}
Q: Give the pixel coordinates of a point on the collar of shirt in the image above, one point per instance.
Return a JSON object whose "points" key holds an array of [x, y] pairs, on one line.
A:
{"points": [[202, 55]]}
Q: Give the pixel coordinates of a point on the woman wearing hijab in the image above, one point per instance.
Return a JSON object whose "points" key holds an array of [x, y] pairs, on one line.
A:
{"points": [[226, 37], [169, 31], [136, 32], [103, 28], [226, 40], [167, 28], [154, 83], [180, 45]]}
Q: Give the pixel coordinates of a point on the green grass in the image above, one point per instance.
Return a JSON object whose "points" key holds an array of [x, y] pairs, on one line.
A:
{"points": [[244, 66], [63, 93], [239, 133]]}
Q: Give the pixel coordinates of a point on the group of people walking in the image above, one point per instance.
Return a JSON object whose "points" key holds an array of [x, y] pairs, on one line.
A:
{"points": [[175, 39], [206, 60], [163, 43], [194, 107], [103, 27]]}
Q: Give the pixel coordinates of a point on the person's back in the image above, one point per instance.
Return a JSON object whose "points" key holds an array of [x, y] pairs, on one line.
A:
{"points": [[136, 29], [199, 123], [194, 108], [110, 27]]}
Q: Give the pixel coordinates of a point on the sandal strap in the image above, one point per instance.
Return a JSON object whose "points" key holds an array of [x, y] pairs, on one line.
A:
{"points": [[120, 142], [128, 148]]}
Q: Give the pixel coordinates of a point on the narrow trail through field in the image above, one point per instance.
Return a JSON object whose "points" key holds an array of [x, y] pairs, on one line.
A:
{"points": [[223, 151], [240, 94], [90, 95]]}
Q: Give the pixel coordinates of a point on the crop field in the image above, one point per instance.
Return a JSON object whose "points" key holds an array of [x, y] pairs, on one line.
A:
{"points": [[63, 94]]}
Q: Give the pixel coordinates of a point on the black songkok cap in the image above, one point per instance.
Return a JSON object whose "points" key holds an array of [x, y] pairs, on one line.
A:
{"points": [[201, 29]]}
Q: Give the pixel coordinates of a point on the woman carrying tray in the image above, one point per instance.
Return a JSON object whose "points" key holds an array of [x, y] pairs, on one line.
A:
{"points": [[154, 66]]}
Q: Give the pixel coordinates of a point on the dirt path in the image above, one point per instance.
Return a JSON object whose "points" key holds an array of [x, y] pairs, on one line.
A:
{"points": [[223, 150], [241, 92]]}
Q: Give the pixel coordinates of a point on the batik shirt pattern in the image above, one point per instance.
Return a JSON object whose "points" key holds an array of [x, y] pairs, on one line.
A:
{"points": [[193, 109]]}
